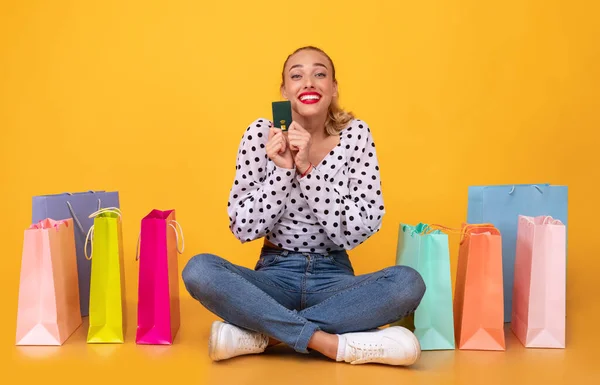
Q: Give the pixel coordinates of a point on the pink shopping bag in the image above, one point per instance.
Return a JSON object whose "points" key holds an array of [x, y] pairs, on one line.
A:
{"points": [[158, 287], [48, 311], [539, 291]]}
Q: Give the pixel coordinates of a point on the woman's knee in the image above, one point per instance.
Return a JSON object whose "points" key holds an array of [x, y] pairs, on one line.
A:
{"points": [[410, 285], [198, 271]]}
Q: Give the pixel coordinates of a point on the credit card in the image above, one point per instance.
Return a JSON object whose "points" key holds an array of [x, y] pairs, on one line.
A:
{"points": [[282, 114]]}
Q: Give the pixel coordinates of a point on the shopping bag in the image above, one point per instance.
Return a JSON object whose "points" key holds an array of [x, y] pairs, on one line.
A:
{"points": [[48, 305], [478, 297], [77, 206], [501, 205], [158, 285], [539, 294], [107, 320], [426, 250]]}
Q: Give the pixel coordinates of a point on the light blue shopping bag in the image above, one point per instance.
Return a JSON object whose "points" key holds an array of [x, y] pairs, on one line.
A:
{"points": [[501, 205]]}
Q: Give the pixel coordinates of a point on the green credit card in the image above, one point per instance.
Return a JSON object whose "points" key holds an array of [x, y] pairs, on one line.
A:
{"points": [[282, 114]]}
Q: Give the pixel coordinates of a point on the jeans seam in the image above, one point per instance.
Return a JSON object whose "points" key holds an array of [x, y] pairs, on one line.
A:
{"points": [[303, 286]]}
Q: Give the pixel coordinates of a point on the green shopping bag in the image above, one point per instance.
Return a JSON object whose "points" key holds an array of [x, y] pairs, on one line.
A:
{"points": [[107, 319], [426, 250]]}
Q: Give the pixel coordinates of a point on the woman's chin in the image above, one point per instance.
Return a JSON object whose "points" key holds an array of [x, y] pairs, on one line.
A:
{"points": [[311, 110]]}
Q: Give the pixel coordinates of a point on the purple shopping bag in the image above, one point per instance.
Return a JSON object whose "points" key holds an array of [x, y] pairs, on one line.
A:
{"points": [[76, 206]]}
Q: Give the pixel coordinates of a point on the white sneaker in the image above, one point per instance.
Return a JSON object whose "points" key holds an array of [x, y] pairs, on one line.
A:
{"points": [[228, 341], [394, 345]]}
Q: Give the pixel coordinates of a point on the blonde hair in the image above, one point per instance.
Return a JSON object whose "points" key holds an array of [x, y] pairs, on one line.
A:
{"points": [[337, 117]]}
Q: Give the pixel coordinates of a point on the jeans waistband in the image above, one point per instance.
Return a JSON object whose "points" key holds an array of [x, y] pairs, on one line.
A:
{"points": [[283, 252]]}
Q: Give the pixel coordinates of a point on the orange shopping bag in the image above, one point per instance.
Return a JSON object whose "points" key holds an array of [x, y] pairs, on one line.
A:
{"points": [[48, 311], [479, 293]]}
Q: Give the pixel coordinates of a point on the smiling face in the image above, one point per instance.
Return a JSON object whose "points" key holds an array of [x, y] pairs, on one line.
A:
{"points": [[309, 83]]}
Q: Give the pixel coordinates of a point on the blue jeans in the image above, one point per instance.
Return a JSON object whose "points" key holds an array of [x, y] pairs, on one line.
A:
{"points": [[289, 295]]}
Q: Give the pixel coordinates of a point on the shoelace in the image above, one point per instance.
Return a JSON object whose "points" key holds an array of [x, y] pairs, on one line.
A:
{"points": [[361, 353]]}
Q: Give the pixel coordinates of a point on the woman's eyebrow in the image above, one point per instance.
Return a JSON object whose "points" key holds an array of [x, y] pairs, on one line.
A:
{"points": [[314, 65]]}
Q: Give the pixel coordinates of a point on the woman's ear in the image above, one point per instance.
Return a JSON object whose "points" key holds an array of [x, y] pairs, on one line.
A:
{"points": [[283, 93], [335, 89]]}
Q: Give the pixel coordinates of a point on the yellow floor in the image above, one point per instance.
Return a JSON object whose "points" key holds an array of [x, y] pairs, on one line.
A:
{"points": [[187, 362]]}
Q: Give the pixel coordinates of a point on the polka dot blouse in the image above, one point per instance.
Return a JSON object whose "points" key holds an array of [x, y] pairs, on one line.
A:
{"points": [[337, 205]]}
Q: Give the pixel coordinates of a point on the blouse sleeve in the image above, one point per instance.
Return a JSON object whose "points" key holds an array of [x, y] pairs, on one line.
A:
{"points": [[351, 219], [260, 190]]}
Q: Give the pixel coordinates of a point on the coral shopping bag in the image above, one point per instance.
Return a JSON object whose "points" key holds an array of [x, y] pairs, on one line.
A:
{"points": [[426, 250], [49, 310], [539, 293], [478, 298], [107, 288], [158, 290]]}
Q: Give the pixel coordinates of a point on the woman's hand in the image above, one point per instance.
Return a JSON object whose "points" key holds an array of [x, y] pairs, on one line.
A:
{"points": [[300, 142], [278, 150]]}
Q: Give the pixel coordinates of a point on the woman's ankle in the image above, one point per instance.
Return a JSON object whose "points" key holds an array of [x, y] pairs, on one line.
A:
{"points": [[324, 343]]}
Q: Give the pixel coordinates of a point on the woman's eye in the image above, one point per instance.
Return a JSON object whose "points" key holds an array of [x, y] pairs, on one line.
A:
{"points": [[320, 75], [295, 76]]}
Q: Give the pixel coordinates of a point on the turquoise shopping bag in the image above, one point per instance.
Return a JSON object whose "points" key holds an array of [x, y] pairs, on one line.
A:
{"points": [[426, 250]]}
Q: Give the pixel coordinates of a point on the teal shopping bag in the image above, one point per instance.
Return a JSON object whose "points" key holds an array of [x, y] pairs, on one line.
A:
{"points": [[426, 250]]}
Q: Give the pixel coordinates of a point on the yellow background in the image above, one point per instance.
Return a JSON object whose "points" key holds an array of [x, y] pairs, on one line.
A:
{"points": [[151, 99]]}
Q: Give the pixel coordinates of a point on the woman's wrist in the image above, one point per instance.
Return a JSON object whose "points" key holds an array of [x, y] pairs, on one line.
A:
{"points": [[301, 167], [304, 170]]}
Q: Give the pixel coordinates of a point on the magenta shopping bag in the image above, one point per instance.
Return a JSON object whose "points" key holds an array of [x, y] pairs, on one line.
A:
{"points": [[158, 287]]}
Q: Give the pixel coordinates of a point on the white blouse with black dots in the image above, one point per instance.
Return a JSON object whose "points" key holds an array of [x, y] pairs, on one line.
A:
{"points": [[336, 206]]}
